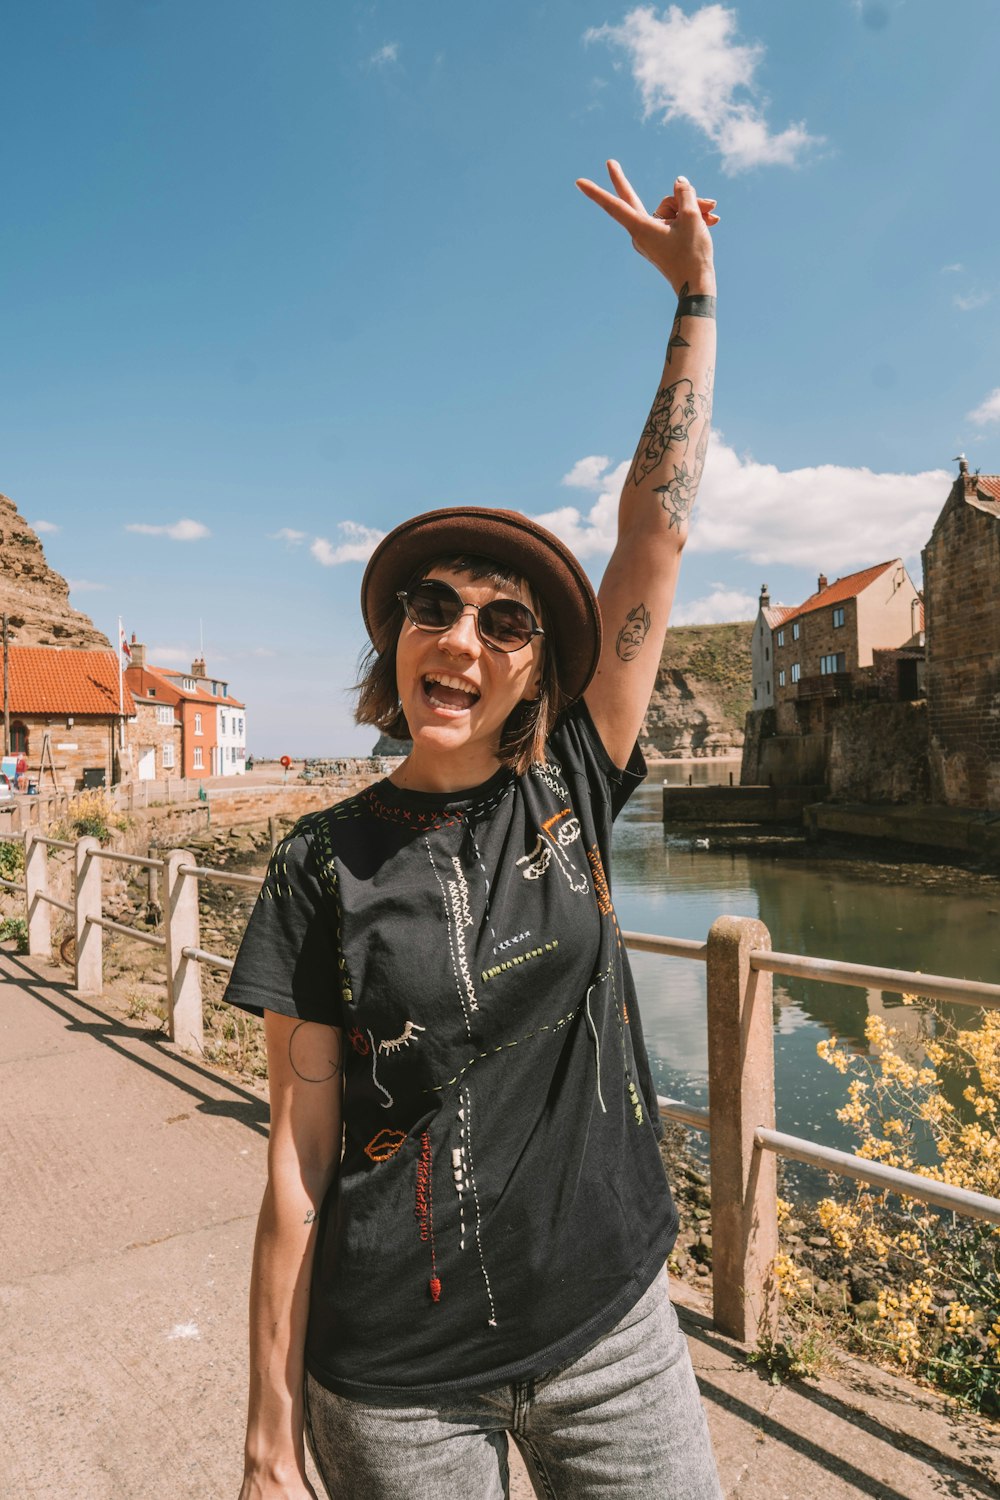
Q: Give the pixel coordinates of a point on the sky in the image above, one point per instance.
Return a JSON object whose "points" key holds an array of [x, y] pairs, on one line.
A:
{"points": [[277, 276]]}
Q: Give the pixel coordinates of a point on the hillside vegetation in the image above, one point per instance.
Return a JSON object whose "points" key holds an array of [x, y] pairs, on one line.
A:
{"points": [[703, 691]]}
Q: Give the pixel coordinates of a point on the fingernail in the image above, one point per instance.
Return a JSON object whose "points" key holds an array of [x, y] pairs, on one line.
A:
{"points": [[684, 180]]}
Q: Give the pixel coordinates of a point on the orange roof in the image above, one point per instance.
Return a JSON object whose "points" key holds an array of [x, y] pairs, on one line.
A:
{"points": [[54, 680], [843, 588], [990, 483], [777, 614], [199, 693], [987, 495]]}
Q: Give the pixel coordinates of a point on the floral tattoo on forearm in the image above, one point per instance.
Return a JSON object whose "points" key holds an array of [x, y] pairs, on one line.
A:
{"points": [[667, 426]]}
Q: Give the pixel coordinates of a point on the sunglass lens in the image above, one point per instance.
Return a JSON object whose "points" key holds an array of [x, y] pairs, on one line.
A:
{"points": [[434, 606], [506, 624]]}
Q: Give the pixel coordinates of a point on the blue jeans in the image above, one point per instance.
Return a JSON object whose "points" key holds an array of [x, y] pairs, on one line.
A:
{"points": [[624, 1421]]}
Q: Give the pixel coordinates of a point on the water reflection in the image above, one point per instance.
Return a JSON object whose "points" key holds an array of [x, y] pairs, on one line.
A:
{"points": [[810, 907]]}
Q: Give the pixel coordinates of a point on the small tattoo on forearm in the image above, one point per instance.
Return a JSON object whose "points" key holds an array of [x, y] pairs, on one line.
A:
{"points": [[310, 1215], [632, 636], [668, 426], [313, 1068], [677, 496]]}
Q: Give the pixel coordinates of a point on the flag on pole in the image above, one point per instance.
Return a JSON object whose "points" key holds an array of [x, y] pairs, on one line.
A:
{"points": [[124, 646]]}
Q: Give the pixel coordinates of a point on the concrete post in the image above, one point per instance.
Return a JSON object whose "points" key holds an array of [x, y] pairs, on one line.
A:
{"points": [[741, 1099], [36, 881], [185, 1023], [87, 903]]}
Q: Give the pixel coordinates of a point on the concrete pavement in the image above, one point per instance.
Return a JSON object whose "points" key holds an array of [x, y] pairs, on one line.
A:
{"points": [[131, 1179]]}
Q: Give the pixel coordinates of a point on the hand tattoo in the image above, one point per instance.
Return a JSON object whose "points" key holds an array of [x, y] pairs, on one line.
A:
{"points": [[317, 1070], [632, 636], [668, 425]]}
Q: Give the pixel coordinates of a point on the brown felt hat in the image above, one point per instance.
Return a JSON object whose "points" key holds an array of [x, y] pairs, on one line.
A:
{"points": [[572, 620]]}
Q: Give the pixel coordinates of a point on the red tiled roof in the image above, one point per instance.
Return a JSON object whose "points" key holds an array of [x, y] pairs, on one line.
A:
{"points": [[843, 588], [987, 495], [777, 614], [990, 483], [50, 680], [200, 693]]}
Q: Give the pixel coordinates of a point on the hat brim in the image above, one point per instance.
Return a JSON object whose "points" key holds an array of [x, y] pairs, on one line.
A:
{"points": [[572, 616]]}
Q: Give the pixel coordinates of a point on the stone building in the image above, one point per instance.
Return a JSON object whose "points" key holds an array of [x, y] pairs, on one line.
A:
{"points": [[72, 698], [962, 599], [769, 617]]}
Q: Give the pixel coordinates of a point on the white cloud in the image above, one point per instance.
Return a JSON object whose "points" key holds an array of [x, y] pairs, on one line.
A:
{"points": [[969, 301], [385, 55], [358, 545], [84, 586], [693, 68], [45, 526], [184, 530], [828, 516], [586, 473], [953, 269], [716, 608], [987, 411], [287, 534], [169, 656]]}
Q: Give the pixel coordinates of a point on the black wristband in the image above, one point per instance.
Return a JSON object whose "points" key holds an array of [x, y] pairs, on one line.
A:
{"points": [[696, 307]]}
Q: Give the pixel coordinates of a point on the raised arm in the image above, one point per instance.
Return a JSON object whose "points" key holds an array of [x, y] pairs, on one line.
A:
{"points": [[304, 1071], [637, 590]]}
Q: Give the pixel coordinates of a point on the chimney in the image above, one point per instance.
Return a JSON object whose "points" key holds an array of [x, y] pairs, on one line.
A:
{"points": [[138, 657], [198, 667], [765, 596], [821, 583]]}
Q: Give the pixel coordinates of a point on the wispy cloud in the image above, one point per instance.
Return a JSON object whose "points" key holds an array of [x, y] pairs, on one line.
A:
{"points": [[693, 68], [954, 269], [586, 473], [184, 530], [385, 55], [827, 516], [716, 608], [287, 534], [987, 411], [45, 526], [969, 301], [359, 542], [85, 586], [170, 656]]}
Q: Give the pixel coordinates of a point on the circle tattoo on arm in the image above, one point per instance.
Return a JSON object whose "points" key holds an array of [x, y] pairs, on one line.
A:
{"points": [[311, 1061]]}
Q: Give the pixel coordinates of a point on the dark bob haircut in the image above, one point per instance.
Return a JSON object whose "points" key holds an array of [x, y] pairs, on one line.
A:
{"points": [[528, 727]]}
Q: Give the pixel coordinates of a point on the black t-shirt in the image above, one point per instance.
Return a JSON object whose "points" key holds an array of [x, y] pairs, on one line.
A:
{"points": [[501, 1202]]}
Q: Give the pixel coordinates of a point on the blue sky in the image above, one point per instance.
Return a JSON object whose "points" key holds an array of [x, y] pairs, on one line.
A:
{"points": [[277, 276]]}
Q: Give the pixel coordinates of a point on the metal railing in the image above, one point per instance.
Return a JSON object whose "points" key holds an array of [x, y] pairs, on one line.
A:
{"points": [[740, 1118]]}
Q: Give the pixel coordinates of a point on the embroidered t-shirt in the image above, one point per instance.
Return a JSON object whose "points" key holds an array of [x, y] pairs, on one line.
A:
{"points": [[501, 1201]]}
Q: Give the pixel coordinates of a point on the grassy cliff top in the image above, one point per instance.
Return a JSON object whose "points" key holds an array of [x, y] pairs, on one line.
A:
{"points": [[715, 653]]}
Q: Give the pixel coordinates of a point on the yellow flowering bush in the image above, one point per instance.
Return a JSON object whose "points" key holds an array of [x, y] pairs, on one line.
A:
{"points": [[937, 1312]]}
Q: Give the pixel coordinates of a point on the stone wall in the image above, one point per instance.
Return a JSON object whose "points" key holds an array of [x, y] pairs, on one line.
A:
{"points": [[962, 602], [878, 753], [88, 744]]}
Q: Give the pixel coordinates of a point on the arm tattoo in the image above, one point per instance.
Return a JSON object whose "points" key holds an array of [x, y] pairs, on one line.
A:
{"points": [[675, 341], [310, 1217], [667, 426], [632, 636], [316, 1069], [677, 497]]}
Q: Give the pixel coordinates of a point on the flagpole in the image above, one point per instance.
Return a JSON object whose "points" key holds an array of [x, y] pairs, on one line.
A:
{"points": [[121, 688]]}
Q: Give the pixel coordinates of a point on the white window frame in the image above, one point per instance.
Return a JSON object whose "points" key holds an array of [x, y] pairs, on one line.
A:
{"points": [[199, 758], [796, 671], [168, 755], [795, 631], [781, 677], [838, 617], [197, 724], [781, 637]]}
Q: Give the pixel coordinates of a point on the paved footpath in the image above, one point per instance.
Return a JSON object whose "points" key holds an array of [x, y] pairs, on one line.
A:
{"points": [[131, 1177]]}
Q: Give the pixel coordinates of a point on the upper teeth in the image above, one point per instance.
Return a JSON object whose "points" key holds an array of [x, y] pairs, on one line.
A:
{"points": [[454, 682]]}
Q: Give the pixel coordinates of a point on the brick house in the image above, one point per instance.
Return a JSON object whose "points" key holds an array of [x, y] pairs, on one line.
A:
{"points": [[823, 651], [961, 582], [155, 744], [769, 617], [204, 732], [73, 697]]}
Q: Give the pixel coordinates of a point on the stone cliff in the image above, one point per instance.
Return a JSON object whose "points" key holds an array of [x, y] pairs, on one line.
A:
{"points": [[700, 700], [34, 596]]}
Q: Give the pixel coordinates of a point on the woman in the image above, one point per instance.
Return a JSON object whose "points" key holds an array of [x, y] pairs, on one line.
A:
{"points": [[445, 990]]}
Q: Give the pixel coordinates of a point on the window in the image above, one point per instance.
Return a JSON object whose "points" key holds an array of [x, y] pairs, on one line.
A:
{"points": [[755, 695], [829, 664], [168, 757], [190, 685], [222, 721], [18, 738], [241, 726], [795, 631], [151, 692], [796, 672], [767, 653], [781, 637], [781, 678], [838, 617], [769, 684], [199, 761], [164, 713], [197, 724]]}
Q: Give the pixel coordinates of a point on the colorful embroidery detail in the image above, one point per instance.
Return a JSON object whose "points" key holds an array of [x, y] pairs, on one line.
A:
{"points": [[521, 958], [359, 1041], [437, 1088], [424, 1209], [597, 1041], [471, 1003], [393, 1043], [385, 1145], [492, 1321], [601, 889], [389, 1100]]}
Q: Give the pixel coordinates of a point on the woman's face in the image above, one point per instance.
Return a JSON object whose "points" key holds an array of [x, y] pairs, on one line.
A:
{"points": [[457, 693]]}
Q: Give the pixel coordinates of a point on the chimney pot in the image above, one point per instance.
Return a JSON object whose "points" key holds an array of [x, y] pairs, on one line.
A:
{"points": [[821, 583], [765, 596]]}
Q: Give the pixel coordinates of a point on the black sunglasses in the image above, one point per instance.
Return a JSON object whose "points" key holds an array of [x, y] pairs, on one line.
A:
{"points": [[502, 624]]}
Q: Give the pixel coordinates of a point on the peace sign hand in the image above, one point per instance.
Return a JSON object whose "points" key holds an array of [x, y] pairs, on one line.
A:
{"points": [[675, 239]]}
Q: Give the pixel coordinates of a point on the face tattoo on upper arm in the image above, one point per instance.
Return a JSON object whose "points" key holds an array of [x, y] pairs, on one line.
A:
{"points": [[632, 636], [319, 1069]]}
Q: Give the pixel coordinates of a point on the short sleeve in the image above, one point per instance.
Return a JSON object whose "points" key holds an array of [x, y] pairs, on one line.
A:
{"points": [[288, 960], [581, 752]]}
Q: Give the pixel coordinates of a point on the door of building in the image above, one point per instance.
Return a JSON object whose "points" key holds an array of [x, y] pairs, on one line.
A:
{"points": [[147, 763]]}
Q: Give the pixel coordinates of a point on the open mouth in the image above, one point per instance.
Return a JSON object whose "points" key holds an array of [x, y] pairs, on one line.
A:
{"points": [[452, 694]]}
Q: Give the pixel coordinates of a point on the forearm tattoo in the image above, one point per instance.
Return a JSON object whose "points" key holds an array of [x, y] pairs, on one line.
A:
{"points": [[632, 636], [667, 426], [314, 1068]]}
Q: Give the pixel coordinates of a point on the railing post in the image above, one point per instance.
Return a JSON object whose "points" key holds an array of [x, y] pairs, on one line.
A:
{"points": [[185, 1022], [87, 903], [36, 888], [741, 1099]]}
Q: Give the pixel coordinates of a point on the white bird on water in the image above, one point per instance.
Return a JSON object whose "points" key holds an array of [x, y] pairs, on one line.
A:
{"points": [[701, 843]]}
